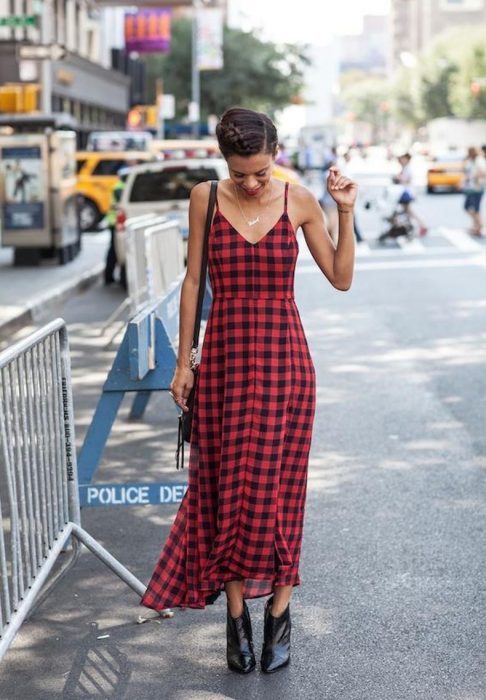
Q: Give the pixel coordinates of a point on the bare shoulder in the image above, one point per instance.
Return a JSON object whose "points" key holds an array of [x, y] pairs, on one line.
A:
{"points": [[301, 195], [200, 193], [303, 204]]}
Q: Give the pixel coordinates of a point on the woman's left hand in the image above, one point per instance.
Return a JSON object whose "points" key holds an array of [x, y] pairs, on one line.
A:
{"points": [[341, 188]]}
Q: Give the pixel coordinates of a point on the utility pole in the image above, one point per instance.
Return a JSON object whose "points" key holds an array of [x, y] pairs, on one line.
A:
{"points": [[195, 108], [47, 22]]}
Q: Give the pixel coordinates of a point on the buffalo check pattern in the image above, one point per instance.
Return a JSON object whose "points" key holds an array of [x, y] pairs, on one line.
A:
{"points": [[242, 515]]}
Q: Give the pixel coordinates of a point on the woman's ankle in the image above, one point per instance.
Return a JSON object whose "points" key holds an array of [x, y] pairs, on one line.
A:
{"points": [[236, 608]]}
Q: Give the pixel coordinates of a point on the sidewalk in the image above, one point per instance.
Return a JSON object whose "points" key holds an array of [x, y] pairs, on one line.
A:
{"points": [[28, 294]]}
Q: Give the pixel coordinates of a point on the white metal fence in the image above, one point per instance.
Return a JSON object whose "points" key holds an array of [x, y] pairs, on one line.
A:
{"points": [[154, 254], [155, 258], [39, 501]]}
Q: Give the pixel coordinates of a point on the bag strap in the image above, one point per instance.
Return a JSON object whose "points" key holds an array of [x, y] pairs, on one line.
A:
{"points": [[204, 265]]}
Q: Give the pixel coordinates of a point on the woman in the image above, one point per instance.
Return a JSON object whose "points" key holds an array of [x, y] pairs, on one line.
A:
{"points": [[474, 179], [405, 178], [239, 526]]}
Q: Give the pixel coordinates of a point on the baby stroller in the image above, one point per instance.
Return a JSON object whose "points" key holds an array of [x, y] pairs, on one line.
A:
{"points": [[399, 224]]}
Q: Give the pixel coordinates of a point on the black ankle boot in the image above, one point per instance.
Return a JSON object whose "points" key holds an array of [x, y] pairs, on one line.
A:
{"points": [[239, 649], [276, 640]]}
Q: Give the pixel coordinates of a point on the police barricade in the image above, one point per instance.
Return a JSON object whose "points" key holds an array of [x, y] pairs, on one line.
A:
{"points": [[154, 253], [39, 499], [154, 259], [145, 362]]}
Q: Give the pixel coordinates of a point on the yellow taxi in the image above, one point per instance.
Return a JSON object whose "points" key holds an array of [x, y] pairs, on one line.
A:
{"points": [[446, 171], [97, 173]]}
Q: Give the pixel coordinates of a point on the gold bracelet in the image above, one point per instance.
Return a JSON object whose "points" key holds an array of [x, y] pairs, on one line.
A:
{"points": [[345, 211]]}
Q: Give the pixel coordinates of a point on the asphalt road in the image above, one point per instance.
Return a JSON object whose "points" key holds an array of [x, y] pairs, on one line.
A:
{"points": [[393, 594]]}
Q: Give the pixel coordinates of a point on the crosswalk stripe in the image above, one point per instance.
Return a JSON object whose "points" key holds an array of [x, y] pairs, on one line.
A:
{"points": [[459, 243], [460, 239], [376, 265]]}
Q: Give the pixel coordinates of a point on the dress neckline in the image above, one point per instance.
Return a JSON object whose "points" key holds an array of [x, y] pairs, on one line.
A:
{"points": [[260, 240]]}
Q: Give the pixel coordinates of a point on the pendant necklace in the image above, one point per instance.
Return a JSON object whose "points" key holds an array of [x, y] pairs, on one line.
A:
{"points": [[252, 222]]}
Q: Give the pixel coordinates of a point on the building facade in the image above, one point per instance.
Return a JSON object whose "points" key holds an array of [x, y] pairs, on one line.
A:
{"points": [[414, 23], [367, 51], [83, 83]]}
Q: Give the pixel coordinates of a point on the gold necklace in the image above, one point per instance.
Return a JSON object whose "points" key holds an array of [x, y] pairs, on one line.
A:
{"points": [[252, 222]]}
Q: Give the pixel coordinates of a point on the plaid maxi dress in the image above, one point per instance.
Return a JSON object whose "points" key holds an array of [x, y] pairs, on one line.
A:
{"points": [[242, 515]]}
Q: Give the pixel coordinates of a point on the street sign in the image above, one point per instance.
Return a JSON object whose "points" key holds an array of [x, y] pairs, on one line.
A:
{"points": [[41, 52], [14, 21], [166, 105]]}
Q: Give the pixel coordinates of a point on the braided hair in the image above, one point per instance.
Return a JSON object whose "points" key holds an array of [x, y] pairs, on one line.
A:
{"points": [[244, 132]]}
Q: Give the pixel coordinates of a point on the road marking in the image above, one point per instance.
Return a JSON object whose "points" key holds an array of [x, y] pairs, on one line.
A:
{"points": [[413, 246], [461, 240], [476, 260]]}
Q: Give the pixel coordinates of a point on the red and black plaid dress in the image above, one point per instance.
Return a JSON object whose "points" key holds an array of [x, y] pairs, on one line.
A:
{"points": [[242, 515]]}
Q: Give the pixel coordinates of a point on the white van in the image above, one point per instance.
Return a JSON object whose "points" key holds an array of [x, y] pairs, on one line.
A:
{"points": [[164, 187]]}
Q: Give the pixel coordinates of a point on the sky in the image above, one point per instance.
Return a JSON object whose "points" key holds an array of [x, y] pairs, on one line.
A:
{"points": [[303, 21]]}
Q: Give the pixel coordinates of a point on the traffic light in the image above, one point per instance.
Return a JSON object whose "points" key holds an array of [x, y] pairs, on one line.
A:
{"points": [[135, 118], [19, 97], [476, 88]]}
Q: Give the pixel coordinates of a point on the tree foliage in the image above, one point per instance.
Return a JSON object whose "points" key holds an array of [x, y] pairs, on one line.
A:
{"points": [[447, 71], [367, 99], [440, 85], [256, 74]]}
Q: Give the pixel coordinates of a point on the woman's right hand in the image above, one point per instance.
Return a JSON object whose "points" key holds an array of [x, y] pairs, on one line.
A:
{"points": [[181, 385]]}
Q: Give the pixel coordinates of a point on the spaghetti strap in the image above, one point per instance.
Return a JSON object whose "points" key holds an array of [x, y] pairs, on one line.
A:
{"points": [[216, 200], [286, 197]]}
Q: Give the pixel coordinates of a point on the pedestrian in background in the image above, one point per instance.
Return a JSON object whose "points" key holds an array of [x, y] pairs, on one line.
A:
{"points": [[407, 196], [282, 157], [239, 526], [111, 261], [474, 181]]}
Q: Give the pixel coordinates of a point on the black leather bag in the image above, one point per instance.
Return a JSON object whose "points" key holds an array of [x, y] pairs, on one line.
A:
{"points": [[185, 417]]}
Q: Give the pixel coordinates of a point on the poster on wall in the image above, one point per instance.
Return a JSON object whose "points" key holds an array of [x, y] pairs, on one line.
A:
{"points": [[148, 31], [22, 187]]}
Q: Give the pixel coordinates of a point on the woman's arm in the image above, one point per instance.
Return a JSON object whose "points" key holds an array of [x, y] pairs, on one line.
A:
{"points": [[183, 379], [335, 262]]}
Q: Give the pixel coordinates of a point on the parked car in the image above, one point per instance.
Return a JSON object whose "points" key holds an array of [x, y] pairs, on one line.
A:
{"points": [[446, 171], [97, 173]]}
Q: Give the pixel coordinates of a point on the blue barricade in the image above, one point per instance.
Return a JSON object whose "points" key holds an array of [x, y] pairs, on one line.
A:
{"points": [[145, 362]]}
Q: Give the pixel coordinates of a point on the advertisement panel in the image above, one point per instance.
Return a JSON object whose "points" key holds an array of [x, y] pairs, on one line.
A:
{"points": [[210, 38], [22, 187], [148, 31]]}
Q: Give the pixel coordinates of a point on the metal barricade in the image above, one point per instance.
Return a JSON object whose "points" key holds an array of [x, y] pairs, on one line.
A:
{"points": [[145, 363], [154, 259], [39, 501]]}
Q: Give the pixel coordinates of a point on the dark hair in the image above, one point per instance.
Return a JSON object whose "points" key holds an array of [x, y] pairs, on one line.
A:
{"points": [[244, 132]]}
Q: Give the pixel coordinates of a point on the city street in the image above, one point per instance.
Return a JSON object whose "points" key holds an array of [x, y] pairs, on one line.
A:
{"points": [[392, 601]]}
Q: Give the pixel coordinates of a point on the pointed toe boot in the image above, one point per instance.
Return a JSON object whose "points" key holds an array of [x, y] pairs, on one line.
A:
{"points": [[276, 640], [239, 642]]}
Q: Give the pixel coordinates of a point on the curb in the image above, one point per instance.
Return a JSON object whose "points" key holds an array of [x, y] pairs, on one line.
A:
{"points": [[42, 307]]}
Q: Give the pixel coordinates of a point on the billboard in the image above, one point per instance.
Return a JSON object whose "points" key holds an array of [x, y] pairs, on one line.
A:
{"points": [[23, 187], [148, 31], [209, 38]]}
